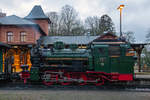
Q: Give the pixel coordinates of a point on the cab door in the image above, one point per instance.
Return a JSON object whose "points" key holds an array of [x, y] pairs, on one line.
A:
{"points": [[101, 59], [114, 54]]}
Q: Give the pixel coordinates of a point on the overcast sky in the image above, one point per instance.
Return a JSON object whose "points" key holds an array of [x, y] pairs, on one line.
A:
{"points": [[136, 14]]}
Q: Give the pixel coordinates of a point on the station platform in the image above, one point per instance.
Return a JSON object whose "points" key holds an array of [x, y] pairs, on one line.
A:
{"points": [[142, 75]]}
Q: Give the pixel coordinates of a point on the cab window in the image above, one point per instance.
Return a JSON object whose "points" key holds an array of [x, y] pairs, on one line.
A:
{"points": [[114, 51]]}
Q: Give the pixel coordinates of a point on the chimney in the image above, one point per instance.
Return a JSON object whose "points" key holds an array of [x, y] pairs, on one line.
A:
{"points": [[2, 14]]}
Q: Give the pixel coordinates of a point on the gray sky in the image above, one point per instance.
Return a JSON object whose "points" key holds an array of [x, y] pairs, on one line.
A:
{"points": [[136, 16]]}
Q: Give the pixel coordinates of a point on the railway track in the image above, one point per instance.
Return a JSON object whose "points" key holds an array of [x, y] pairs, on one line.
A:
{"points": [[137, 85]]}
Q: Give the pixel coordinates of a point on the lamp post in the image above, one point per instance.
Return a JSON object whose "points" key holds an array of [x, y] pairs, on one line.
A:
{"points": [[120, 9]]}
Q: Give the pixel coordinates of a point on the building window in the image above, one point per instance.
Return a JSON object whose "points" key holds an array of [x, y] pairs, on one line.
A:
{"points": [[23, 36], [9, 36]]}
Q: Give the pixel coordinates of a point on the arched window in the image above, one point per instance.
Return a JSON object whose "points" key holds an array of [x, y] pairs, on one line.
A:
{"points": [[9, 36], [22, 36]]}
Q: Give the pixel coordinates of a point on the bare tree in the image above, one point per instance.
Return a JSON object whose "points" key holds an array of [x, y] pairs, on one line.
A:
{"points": [[69, 20], [54, 25], [148, 36], [129, 36], [65, 22], [92, 24], [78, 28], [146, 56], [106, 24], [146, 51]]}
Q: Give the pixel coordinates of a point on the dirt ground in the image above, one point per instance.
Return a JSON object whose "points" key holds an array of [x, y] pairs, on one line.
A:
{"points": [[72, 95]]}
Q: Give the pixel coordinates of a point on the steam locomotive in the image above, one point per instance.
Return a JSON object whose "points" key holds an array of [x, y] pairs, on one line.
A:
{"points": [[100, 62]]}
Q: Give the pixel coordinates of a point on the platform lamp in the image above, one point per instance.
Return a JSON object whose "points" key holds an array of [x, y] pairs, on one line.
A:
{"points": [[120, 9]]}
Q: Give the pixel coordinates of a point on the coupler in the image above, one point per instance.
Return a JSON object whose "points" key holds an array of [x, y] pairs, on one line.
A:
{"points": [[25, 74]]}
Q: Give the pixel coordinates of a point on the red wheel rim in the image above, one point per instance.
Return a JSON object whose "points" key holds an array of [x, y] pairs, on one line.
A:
{"points": [[84, 79], [68, 78]]}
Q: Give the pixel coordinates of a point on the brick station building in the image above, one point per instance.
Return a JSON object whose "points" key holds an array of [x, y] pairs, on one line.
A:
{"points": [[21, 33]]}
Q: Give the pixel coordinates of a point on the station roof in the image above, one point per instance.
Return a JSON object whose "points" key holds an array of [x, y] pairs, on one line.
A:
{"points": [[108, 37], [138, 44], [15, 20], [69, 39], [4, 45]]}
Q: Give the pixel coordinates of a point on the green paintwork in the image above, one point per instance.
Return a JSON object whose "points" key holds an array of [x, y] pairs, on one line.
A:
{"points": [[115, 64], [59, 45], [123, 48], [66, 53], [126, 63], [99, 57], [108, 58], [123, 65], [73, 46], [104, 63], [90, 59], [101, 60], [34, 74]]}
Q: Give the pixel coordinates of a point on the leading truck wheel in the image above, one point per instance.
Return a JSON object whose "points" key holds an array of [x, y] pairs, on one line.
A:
{"points": [[49, 78], [48, 83]]}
